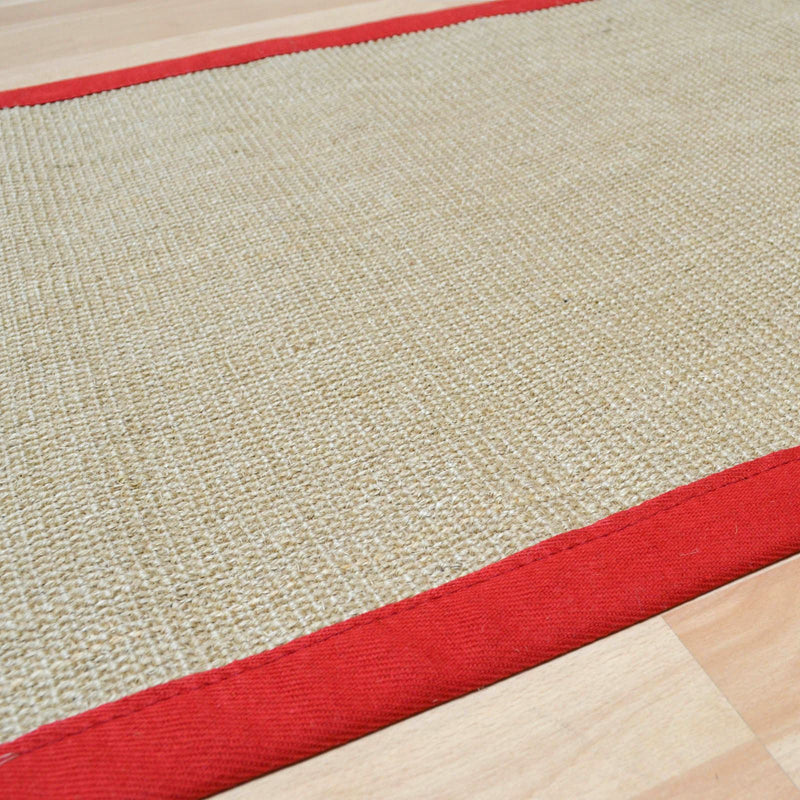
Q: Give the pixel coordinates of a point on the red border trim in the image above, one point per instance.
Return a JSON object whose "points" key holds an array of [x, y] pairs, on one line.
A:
{"points": [[229, 56], [209, 731]]}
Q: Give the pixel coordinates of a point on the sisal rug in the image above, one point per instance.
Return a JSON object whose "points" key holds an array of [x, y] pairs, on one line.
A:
{"points": [[313, 350]]}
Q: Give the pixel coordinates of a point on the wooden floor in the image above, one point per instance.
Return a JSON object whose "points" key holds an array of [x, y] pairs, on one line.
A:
{"points": [[701, 702], [49, 40]]}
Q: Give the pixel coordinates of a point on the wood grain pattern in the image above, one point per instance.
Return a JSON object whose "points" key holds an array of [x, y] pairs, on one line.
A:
{"points": [[49, 40], [744, 773], [631, 716], [747, 639]]}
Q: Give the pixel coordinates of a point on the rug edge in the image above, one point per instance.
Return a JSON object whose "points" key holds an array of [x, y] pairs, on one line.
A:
{"points": [[72, 88], [283, 705]]}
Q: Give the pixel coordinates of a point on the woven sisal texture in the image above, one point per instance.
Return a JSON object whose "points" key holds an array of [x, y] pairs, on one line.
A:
{"points": [[287, 341]]}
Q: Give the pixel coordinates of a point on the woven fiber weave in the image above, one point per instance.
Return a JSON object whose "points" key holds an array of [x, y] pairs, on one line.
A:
{"points": [[287, 341]]}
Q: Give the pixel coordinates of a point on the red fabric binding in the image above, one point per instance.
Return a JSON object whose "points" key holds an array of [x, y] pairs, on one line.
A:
{"points": [[116, 79], [206, 732]]}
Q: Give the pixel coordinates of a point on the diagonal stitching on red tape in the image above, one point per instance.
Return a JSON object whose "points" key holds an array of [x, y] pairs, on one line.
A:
{"points": [[272, 656]]}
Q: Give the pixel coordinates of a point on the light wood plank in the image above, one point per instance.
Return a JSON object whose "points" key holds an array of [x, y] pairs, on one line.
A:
{"points": [[613, 719], [744, 773], [747, 638], [40, 42]]}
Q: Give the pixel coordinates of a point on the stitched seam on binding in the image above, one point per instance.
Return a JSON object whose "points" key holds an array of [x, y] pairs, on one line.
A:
{"points": [[376, 617]]}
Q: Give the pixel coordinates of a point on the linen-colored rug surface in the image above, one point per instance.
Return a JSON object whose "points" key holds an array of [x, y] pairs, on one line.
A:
{"points": [[286, 341]]}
